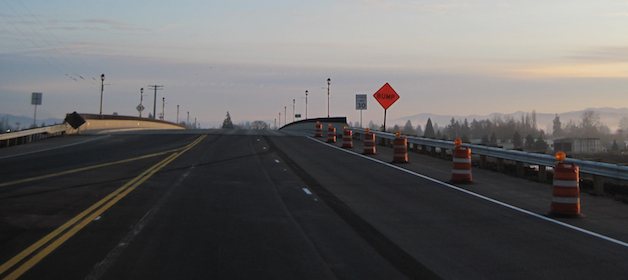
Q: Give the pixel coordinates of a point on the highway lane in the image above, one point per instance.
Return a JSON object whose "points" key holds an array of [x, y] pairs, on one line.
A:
{"points": [[454, 234], [104, 149], [228, 208], [28, 211], [246, 204]]}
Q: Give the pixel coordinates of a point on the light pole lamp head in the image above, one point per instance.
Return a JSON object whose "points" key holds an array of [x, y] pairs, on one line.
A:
{"points": [[102, 77], [306, 91], [328, 81], [141, 90]]}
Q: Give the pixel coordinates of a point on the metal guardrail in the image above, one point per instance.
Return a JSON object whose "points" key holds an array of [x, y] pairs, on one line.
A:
{"points": [[53, 129], [590, 167]]}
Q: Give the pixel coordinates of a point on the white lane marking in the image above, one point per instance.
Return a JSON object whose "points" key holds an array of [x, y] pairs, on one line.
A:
{"points": [[521, 210], [57, 147], [277, 161], [257, 140], [97, 218], [264, 148], [307, 191]]}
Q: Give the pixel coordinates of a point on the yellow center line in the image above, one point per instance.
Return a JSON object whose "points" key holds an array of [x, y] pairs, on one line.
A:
{"points": [[96, 210], [86, 168]]}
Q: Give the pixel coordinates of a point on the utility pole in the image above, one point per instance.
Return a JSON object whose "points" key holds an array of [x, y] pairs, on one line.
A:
{"points": [[306, 104], [155, 88], [187, 123], [328, 84], [279, 118], [177, 113], [293, 113], [102, 89], [285, 115]]}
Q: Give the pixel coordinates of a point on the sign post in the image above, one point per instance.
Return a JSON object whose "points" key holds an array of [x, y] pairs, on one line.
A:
{"points": [[36, 99], [360, 104], [386, 96]]}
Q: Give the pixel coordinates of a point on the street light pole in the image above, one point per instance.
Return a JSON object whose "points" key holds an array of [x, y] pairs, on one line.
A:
{"points": [[141, 100], [177, 113], [306, 104], [102, 89], [293, 113], [328, 84], [279, 118], [285, 115], [163, 107]]}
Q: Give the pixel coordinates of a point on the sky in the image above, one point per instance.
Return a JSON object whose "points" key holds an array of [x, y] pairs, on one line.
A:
{"points": [[253, 58]]}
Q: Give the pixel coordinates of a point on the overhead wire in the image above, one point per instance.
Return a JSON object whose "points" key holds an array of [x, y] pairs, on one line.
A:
{"points": [[41, 44]]}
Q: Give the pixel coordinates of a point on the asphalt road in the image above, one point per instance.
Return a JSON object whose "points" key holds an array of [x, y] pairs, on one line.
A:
{"points": [[242, 205]]}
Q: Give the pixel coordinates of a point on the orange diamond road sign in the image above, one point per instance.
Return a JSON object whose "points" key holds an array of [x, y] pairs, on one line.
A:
{"points": [[386, 96]]}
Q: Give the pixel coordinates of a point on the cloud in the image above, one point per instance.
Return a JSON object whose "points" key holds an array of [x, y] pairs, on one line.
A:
{"points": [[423, 6], [93, 24], [602, 54]]}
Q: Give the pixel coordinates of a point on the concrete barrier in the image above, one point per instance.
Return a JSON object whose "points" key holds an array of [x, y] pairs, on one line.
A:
{"points": [[95, 122]]}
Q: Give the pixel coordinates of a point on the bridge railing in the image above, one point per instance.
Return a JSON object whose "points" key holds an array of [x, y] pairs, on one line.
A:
{"points": [[608, 170], [28, 135]]}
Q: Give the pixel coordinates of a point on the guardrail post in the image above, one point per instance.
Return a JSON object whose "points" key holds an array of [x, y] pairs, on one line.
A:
{"points": [[443, 152], [520, 169], [500, 164], [598, 185], [542, 173]]}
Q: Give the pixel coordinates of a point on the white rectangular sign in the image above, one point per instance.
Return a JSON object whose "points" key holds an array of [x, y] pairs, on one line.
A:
{"points": [[360, 101]]}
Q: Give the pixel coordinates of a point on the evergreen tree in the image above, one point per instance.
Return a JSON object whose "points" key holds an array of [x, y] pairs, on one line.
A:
{"points": [[227, 123], [615, 147], [372, 125], [493, 139], [408, 129], [557, 127], [517, 141], [540, 145], [429, 129], [529, 144], [485, 139], [419, 130]]}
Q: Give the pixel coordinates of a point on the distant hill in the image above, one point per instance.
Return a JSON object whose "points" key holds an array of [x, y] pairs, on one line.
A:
{"points": [[608, 116], [25, 122]]}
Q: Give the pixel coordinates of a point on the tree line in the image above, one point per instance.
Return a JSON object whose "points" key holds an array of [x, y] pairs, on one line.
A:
{"points": [[522, 133]]}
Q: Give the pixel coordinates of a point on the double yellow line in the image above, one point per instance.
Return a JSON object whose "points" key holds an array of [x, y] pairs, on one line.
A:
{"points": [[60, 235]]}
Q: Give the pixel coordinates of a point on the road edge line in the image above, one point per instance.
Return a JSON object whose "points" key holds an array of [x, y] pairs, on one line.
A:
{"points": [[492, 200]]}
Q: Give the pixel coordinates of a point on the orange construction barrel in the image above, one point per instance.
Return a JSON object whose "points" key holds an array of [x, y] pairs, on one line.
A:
{"points": [[331, 134], [319, 129], [461, 171], [566, 193], [400, 149], [347, 138], [369, 143]]}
